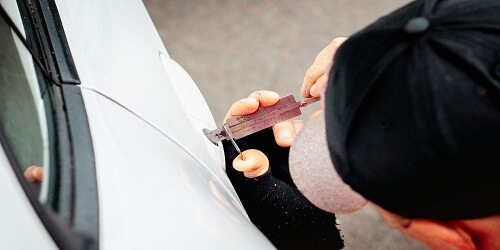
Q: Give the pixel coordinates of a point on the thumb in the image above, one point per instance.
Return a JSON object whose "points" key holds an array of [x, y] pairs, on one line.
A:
{"points": [[253, 164]]}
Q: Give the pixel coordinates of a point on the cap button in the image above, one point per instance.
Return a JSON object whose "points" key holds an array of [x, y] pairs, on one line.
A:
{"points": [[417, 25]]}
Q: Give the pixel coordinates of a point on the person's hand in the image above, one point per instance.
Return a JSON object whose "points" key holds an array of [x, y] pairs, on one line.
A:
{"points": [[284, 132], [255, 163], [316, 77], [34, 174]]}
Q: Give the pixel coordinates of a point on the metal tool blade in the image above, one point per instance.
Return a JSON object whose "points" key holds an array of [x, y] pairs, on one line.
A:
{"points": [[264, 117]]}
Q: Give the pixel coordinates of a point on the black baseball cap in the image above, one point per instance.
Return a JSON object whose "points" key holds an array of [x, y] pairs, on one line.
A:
{"points": [[412, 115]]}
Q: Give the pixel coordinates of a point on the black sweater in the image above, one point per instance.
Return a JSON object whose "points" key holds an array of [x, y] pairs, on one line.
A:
{"points": [[273, 202]]}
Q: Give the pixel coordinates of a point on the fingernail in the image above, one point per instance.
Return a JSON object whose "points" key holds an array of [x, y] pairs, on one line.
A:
{"points": [[302, 89], [284, 134]]}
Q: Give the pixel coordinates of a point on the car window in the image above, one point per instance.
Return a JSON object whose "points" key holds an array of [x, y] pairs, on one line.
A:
{"points": [[22, 111]]}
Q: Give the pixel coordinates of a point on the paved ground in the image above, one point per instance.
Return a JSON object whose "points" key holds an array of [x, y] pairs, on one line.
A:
{"points": [[234, 47]]}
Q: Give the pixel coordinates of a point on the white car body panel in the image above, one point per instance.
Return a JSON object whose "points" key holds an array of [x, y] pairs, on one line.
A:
{"points": [[125, 64], [161, 184], [153, 194], [198, 114]]}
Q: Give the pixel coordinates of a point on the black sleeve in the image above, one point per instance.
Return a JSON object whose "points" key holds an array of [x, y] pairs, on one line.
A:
{"points": [[274, 204]]}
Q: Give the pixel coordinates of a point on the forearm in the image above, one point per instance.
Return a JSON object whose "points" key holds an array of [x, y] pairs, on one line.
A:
{"points": [[275, 206]]}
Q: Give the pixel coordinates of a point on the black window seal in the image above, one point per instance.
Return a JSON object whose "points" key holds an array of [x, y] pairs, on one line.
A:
{"points": [[57, 38], [84, 208]]}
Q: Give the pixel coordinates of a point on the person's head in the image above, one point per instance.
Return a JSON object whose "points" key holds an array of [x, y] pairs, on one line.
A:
{"points": [[412, 118]]}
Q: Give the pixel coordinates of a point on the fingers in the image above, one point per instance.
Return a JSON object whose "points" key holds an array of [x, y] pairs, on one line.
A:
{"points": [[243, 107], [38, 173], [319, 85], [312, 74], [320, 67], [254, 164], [266, 98], [317, 70], [33, 174], [28, 174], [249, 105], [284, 133]]}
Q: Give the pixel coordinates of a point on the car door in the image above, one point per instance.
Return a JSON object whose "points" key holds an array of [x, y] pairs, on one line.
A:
{"points": [[117, 173]]}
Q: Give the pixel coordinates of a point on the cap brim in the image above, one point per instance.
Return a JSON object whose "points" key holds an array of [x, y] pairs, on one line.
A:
{"points": [[313, 172]]}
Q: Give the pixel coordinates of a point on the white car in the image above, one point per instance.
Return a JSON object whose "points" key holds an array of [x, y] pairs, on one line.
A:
{"points": [[89, 92]]}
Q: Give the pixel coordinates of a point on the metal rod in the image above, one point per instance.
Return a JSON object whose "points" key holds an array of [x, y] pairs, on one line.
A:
{"points": [[226, 128]]}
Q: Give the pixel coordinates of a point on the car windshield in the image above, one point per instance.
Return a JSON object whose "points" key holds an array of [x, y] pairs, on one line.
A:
{"points": [[23, 119]]}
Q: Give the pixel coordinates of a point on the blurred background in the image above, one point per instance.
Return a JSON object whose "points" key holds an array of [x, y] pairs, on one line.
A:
{"points": [[234, 47]]}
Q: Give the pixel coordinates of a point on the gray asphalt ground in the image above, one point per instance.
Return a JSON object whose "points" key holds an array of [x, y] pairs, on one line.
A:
{"points": [[232, 48]]}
